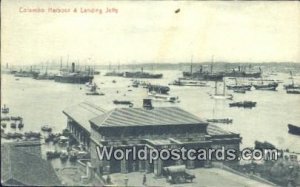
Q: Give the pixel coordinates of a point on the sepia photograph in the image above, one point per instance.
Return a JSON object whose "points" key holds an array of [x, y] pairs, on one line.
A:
{"points": [[150, 93]]}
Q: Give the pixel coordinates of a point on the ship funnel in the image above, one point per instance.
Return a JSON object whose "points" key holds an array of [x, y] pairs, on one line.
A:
{"points": [[73, 67], [147, 104]]}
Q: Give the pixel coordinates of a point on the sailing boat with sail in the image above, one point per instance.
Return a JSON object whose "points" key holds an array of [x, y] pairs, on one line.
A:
{"points": [[266, 86], [222, 95], [293, 85], [237, 86], [292, 88]]}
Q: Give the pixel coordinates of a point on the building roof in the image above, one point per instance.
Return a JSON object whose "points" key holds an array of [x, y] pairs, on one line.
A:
{"points": [[124, 117], [83, 112], [25, 168], [215, 130]]}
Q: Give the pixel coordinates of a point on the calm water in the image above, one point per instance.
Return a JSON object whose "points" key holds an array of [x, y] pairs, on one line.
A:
{"points": [[40, 102]]}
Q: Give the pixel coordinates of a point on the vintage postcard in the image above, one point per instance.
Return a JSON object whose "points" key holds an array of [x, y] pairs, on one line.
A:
{"points": [[150, 93]]}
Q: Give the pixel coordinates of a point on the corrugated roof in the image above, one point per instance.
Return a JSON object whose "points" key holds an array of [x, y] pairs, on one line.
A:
{"points": [[26, 168], [215, 130], [83, 112], [143, 117]]}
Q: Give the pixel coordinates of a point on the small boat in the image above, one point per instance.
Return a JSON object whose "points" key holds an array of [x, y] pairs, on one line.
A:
{"points": [[263, 145], [52, 154], [269, 86], [16, 118], [239, 87], [293, 91], [13, 125], [20, 125], [161, 97], [73, 156], [89, 84], [292, 85], [14, 135], [188, 82], [3, 125], [158, 89], [225, 120], [5, 110], [64, 156], [293, 129], [135, 84], [48, 139], [117, 102], [46, 128], [245, 104], [63, 140], [95, 93], [32, 135], [93, 90], [6, 118], [239, 91]]}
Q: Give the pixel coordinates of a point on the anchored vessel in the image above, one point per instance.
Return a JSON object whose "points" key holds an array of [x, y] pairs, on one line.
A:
{"points": [[269, 86], [74, 77], [158, 89], [142, 75], [292, 85], [293, 91], [162, 97], [225, 120], [242, 73], [293, 129], [114, 74], [203, 75], [188, 82], [245, 104], [117, 102]]}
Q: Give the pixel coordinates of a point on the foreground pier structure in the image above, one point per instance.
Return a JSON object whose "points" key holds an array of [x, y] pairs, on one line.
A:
{"points": [[154, 128]]}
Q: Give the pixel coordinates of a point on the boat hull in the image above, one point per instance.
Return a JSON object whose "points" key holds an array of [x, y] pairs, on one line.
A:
{"points": [[73, 79], [142, 75], [239, 87], [271, 86], [294, 129], [223, 96]]}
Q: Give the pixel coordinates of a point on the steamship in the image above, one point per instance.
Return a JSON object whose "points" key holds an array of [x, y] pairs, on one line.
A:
{"points": [[74, 77], [203, 75]]}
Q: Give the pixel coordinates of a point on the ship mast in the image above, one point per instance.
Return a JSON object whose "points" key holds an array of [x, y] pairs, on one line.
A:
{"points": [[224, 85], [192, 65], [292, 78], [60, 63], [212, 62], [216, 87]]}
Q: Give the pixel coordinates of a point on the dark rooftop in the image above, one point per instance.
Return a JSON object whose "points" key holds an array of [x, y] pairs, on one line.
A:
{"points": [[142, 117], [20, 167]]}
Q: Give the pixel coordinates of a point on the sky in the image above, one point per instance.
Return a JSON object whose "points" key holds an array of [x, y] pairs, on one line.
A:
{"points": [[150, 31]]}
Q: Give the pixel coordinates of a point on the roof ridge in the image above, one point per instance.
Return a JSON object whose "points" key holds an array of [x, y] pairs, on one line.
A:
{"points": [[93, 106], [108, 115]]}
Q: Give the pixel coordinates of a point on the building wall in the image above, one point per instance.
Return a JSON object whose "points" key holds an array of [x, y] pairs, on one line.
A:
{"points": [[81, 135], [181, 133]]}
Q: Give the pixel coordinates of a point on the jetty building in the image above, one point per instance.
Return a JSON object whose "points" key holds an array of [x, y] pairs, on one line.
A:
{"points": [[158, 127]]}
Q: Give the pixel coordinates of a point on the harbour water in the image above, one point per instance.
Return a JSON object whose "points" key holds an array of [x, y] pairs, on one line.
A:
{"points": [[41, 102]]}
